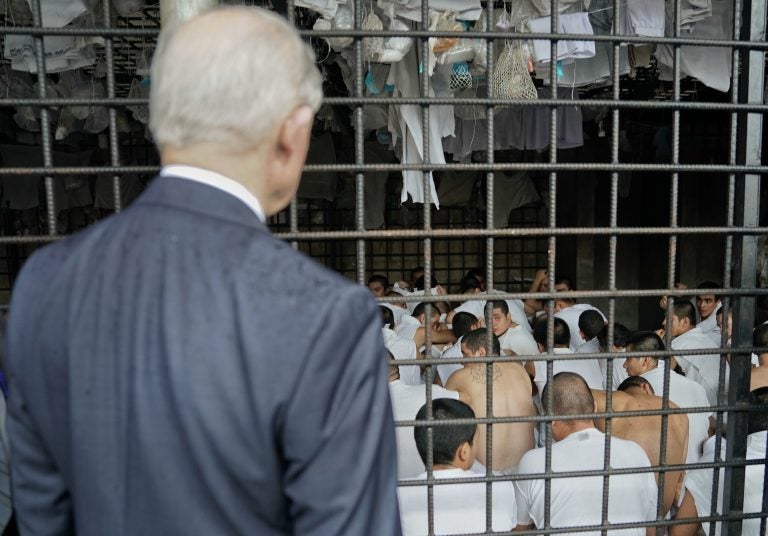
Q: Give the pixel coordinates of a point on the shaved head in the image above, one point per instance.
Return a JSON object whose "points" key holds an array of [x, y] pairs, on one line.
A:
{"points": [[570, 395]]}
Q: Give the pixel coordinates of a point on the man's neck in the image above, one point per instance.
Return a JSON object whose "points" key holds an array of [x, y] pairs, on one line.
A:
{"points": [[576, 426]]}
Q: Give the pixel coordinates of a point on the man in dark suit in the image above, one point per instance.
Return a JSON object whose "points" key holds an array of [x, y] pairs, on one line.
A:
{"points": [[175, 369]]}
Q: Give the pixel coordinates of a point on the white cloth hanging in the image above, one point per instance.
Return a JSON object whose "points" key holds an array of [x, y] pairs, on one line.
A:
{"points": [[407, 120], [570, 23], [711, 65]]}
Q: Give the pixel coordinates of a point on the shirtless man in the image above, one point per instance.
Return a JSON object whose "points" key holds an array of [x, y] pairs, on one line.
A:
{"points": [[636, 394], [511, 398]]}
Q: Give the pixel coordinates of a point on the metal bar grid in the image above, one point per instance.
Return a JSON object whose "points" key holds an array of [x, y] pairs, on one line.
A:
{"points": [[740, 232]]}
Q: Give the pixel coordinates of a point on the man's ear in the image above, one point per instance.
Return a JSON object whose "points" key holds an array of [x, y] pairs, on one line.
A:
{"points": [[286, 159], [464, 454]]}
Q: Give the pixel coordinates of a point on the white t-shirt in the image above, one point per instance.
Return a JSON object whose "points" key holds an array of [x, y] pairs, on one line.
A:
{"points": [[685, 393], [403, 348], [458, 508], [397, 312], [519, 340], [406, 403], [592, 346], [578, 501], [709, 327], [699, 484], [453, 351], [619, 372], [586, 368], [571, 317], [704, 369]]}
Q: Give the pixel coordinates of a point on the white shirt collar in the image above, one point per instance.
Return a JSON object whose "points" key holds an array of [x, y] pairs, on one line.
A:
{"points": [[215, 180]]}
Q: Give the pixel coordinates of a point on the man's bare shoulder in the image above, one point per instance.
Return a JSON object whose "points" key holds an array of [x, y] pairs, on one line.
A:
{"points": [[458, 379]]}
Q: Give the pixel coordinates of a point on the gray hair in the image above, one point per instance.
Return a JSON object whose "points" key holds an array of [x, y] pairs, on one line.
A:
{"points": [[232, 83]]}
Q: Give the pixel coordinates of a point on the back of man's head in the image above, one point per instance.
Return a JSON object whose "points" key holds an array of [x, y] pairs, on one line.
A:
{"points": [[645, 341], [685, 310], [446, 440], [462, 323], [621, 335], [203, 87], [478, 338], [387, 317], [635, 382], [758, 420], [570, 394], [590, 323], [562, 335]]}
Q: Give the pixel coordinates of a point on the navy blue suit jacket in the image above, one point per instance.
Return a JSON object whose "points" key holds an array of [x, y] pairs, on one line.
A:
{"points": [[176, 369]]}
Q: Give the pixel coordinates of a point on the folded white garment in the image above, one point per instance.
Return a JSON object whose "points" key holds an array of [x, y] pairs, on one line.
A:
{"points": [[571, 23]]}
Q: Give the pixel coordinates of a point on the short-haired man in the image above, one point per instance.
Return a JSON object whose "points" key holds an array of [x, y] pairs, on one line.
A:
{"points": [[636, 394], [697, 501], [378, 285], [759, 375], [579, 446], [175, 368], [477, 304], [586, 368], [458, 508], [513, 337], [462, 324], [683, 391], [621, 335], [707, 306], [570, 312], [415, 327], [511, 398], [406, 402], [701, 368]]}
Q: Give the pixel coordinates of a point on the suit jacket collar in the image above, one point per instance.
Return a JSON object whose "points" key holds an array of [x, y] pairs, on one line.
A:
{"points": [[191, 196]]}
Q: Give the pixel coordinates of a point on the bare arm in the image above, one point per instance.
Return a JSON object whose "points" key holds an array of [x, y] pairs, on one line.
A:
{"points": [[687, 509], [439, 336]]}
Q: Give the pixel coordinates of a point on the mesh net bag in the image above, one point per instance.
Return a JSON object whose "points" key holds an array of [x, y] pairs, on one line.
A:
{"points": [[461, 77], [372, 46], [511, 79]]}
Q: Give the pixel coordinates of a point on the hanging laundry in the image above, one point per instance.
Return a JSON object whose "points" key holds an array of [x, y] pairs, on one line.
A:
{"points": [[571, 23], [62, 52], [642, 17], [411, 9], [544, 7], [710, 65], [519, 128], [407, 121]]}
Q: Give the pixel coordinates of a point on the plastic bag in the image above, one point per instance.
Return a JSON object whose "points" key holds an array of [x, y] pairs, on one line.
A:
{"points": [[447, 23]]}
